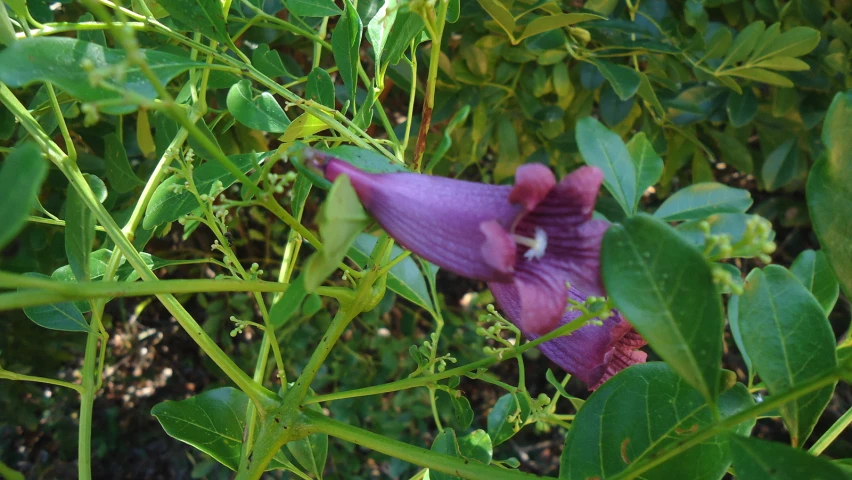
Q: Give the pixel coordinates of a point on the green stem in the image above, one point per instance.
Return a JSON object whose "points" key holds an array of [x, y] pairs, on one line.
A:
{"points": [[455, 466], [774, 401], [87, 399], [19, 377], [832, 433], [61, 291], [431, 82], [462, 370]]}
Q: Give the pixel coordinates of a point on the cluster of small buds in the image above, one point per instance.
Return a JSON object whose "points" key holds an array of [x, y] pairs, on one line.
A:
{"points": [[278, 183], [593, 306], [725, 278], [755, 242], [255, 271], [240, 325], [91, 115], [495, 331]]}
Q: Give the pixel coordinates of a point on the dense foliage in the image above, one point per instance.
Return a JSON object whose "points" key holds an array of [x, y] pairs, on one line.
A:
{"points": [[192, 288]]}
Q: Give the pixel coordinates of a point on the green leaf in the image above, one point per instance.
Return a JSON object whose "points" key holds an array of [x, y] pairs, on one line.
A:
{"points": [[756, 459], [320, 87], [665, 288], [719, 43], [604, 149], [345, 46], [781, 165], [790, 341], [829, 190], [476, 446], [289, 303], [501, 419], [462, 411], [445, 443], [63, 316], [166, 205], [313, 8], [379, 28], [407, 27], [736, 332], [786, 64], [742, 108], [118, 170], [212, 422], [552, 22], [93, 36], [762, 75], [795, 42], [21, 176], [404, 278], [312, 451], [341, 219], [58, 60], [732, 151], [500, 14], [205, 16], [812, 269], [268, 61], [624, 80], [80, 227], [649, 165], [642, 411], [744, 44], [702, 200], [259, 113]]}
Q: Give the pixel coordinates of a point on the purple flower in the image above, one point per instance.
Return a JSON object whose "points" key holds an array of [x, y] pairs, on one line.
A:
{"points": [[527, 241]]}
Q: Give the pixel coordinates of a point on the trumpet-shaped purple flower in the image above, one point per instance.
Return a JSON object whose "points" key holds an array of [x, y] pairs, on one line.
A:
{"points": [[527, 241]]}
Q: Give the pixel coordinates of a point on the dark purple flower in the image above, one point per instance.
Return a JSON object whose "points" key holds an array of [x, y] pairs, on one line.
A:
{"points": [[528, 241]]}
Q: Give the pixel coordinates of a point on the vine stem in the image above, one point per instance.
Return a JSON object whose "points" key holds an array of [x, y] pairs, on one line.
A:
{"points": [[431, 81], [832, 433], [438, 462]]}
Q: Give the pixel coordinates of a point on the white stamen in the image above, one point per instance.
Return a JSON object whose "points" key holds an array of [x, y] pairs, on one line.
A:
{"points": [[536, 245]]}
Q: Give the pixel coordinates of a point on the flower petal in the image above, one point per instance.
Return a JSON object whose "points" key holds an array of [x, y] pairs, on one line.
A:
{"points": [[499, 248], [437, 218], [592, 353], [533, 182]]}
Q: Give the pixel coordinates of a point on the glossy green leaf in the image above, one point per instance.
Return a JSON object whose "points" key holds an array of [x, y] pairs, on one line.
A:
{"points": [[736, 332], [21, 176], [624, 80], [93, 36], [268, 61], [404, 278], [445, 443], [812, 269], [829, 190], [259, 113], [345, 45], [289, 303], [719, 43], [500, 14], [320, 87], [501, 419], [732, 151], [756, 459], [379, 28], [463, 412], [58, 316], [313, 8], [341, 219], [649, 165], [166, 205], [476, 445], [790, 341], [781, 165], [664, 287], [744, 44], [763, 75], [80, 227], [784, 64], [702, 200], [407, 27], [742, 108], [642, 411], [205, 16], [551, 22], [604, 149], [118, 170], [212, 422], [795, 42], [58, 59]]}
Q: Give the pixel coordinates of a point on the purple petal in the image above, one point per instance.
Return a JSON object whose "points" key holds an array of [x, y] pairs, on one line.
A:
{"points": [[532, 184], [439, 218], [592, 353]]}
